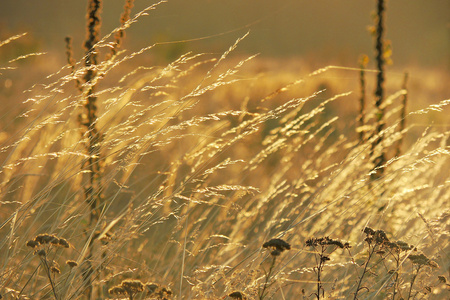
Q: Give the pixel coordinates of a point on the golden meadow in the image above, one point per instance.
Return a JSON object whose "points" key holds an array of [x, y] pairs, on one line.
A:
{"points": [[222, 176]]}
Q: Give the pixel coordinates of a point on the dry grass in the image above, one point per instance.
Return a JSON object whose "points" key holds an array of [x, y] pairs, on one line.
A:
{"points": [[206, 159]]}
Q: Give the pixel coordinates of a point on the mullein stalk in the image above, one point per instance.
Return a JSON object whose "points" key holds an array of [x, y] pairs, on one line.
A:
{"points": [[92, 191], [379, 91]]}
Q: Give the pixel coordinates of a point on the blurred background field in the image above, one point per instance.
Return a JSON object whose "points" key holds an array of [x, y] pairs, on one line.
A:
{"points": [[292, 39]]}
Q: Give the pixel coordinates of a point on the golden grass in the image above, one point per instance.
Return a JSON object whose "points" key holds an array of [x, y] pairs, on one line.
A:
{"points": [[205, 160]]}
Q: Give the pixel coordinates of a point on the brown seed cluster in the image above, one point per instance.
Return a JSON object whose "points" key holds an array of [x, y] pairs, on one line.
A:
{"points": [[279, 244], [276, 246], [422, 260], [127, 287], [160, 292], [48, 239], [130, 287], [237, 296], [72, 263], [399, 246], [377, 236], [323, 241]]}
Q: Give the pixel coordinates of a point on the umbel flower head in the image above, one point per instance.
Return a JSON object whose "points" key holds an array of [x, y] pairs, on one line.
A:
{"points": [[276, 246], [127, 287], [422, 260], [377, 236], [323, 241], [237, 296], [45, 238]]}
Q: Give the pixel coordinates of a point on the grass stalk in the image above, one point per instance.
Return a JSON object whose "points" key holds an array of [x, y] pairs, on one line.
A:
{"points": [[404, 103]]}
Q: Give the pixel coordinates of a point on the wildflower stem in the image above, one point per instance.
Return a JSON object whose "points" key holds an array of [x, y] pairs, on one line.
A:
{"points": [[413, 279], [358, 288], [47, 272], [268, 275]]}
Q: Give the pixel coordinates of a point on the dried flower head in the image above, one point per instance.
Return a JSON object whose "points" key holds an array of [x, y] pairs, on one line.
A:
{"points": [[55, 270], [32, 244], [55, 241], [314, 242], [132, 286], [404, 246], [45, 238], [379, 236], [369, 231], [237, 295], [41, 253], [71, 263], [63, 243], [422, 260], [277, 244], [117, 290]]}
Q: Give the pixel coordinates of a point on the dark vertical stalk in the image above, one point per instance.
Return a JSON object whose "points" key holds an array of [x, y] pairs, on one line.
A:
{"points": [[120, 34], [92, 190], [379, 91], [90, 119], [71, 60]]}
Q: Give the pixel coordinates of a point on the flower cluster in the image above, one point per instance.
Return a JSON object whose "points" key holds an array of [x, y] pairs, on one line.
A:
{"points": [[422, 260], [276, 246], [48, 239], [131, 287], [323, 241]]}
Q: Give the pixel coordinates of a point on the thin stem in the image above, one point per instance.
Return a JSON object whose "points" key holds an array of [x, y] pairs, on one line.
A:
{"points": [[413, 279], [319, 285], [266, 283], [47, 272], [395, 286], [358, 288]]}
